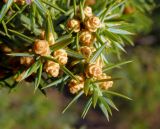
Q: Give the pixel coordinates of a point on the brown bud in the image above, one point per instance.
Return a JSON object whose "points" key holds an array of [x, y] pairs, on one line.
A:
{"points": [[42, 35], [93, 70], [21, 2], [88, 11], [93, 23], [52, 68], [75, 86], [28, 61], [41, 47], [107, 84], [74, 25], [61, 56], [6, 49], [90, 2], [86, 51], [86, 38], [51, 40], [129, 10]]}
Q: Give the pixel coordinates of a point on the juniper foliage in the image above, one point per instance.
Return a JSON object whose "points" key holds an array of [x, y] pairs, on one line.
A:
{"points": [[22, 24]]}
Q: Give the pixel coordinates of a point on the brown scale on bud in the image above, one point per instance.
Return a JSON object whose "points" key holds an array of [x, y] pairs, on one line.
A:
{"points": [[86, 38], [107, 84], [93, 70], [52, 68], [74, 25], [75, 86], [93, 23], [28, 61], [86, 51], [88, 11], [61, 56], [41, 47], [90, 2], [51, 39]]}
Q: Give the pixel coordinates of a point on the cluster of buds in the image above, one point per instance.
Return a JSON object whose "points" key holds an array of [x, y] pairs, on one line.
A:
{"points": [[75, 86], [95, 71], [41, 47], [91, 22], [53, 68], [87, 28]]}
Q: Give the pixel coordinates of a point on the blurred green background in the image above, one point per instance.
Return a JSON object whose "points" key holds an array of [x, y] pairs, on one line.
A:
{"points": [[22, 109]]}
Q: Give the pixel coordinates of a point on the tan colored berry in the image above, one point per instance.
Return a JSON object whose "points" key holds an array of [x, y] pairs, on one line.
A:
{"points": [[86, 51], [93, 70], [93, 23], [107, 84], [41, 47], [86, 38], [52, 68], [74, 25], [75, 86], [61, 56], [28, 61], [88, 11]]}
